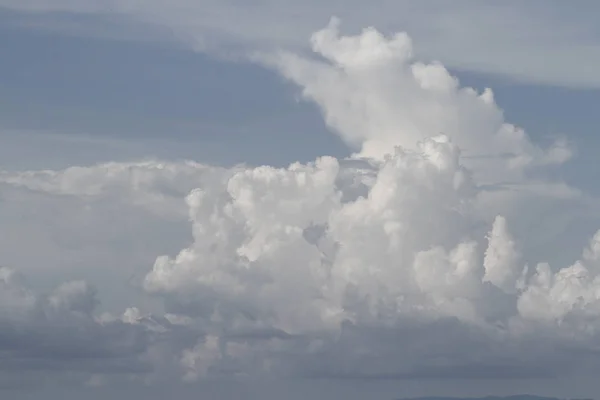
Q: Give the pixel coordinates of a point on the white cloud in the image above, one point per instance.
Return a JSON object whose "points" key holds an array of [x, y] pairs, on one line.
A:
{"points": [[404, 261], [376, 97], [570, 292], [502, 259]]}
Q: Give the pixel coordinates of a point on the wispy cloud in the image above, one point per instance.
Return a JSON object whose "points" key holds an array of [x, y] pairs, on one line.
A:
{"points": [[546, 42]]}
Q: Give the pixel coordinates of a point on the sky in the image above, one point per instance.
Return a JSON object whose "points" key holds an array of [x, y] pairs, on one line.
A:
{"points": [[282, 199]]}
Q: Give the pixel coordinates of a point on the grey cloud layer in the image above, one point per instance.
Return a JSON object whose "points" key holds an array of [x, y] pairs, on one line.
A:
{"points": [[57, 333]]}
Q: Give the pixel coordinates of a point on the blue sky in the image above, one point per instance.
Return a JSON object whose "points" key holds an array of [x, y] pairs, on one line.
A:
{"points": [[135, 254], [142, 92]]}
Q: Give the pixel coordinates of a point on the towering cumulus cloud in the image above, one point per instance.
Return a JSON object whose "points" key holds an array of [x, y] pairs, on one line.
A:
{"points": [[399, 261], [376, 97]]}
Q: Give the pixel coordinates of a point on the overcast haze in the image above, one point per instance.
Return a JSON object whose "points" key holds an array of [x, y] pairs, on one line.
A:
{"points": [[289, 200]]}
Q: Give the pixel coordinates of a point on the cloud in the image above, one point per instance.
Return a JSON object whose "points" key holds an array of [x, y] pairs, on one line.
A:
{"points": [[407, 260], [153, 185], [544, 42], [376, 97], [58, 333], [394, 283]]}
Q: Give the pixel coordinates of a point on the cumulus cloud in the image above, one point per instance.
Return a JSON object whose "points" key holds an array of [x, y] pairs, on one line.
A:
{"points": [[347, 285], [376, 97], [401, 261]]}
